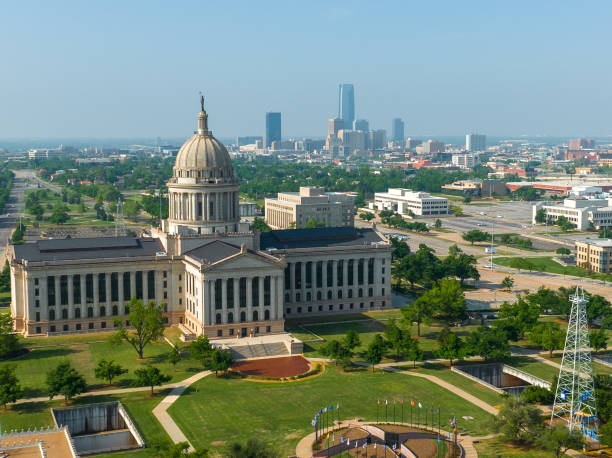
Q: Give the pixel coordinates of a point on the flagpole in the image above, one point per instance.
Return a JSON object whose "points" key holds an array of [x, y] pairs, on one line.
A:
{"points": [[394, 411], [426, 409], [386, 411], [410, 413], [377, 409], [402, 411]]}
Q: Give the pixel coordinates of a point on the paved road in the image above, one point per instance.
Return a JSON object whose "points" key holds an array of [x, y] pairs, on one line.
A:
{"points": [[12, 211]]}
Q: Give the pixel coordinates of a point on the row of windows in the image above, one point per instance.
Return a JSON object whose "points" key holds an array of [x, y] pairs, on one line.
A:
{"points": [[230, 284], [243, 317], [329, 273], [79, 326], [61, 297], [298, 296], [90, 312]]}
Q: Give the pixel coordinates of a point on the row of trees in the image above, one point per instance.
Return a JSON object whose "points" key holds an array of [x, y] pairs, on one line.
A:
{"points": [[424, 268]]}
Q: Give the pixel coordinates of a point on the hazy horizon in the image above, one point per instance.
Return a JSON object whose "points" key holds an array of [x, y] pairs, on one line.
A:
{"points": [[133, 70]]}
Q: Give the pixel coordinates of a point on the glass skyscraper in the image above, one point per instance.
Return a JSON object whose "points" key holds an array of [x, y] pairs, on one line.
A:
{"points": [[397, 130], [346, 104], [273, 128]]}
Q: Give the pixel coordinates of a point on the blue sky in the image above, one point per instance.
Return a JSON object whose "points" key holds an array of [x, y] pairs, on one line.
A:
{"points": [[129, 69]]}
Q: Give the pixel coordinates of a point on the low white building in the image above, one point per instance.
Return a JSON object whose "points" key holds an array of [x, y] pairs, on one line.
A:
{"points": [[465, 160], [580, 212], [404, 201]]}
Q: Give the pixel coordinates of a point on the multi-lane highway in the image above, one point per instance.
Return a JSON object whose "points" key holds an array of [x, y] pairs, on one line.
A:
{"points": [[12, 211]]}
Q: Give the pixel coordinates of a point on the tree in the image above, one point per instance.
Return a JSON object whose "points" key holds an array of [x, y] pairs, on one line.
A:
{"points": [[10, 389], [564, 223], [604, 433], [548, 335], [446, 301], [5, 278], [438, 223], [450, 347], [457, 211], [488, 344], [597, 306], [220, 360], [414, 353], [521, 312], [375, 351], [253, 448], [518, 421], [397, 338], [559, 439], [65, 380], [148, 323], [537, 394], [351, 339], [174, 356], [475, 235], [367, 216], [37, 211], [540, 217], [508, 283], [59, 214], [313, 223], [200, 349], [108, 370], [336, 351], [461, 265], [400, 248], [420, 312], [598, 339], [180, 450], [563, 251], [549, 301], [9, 342], [260, 225], [150, 376], [131, 208]]}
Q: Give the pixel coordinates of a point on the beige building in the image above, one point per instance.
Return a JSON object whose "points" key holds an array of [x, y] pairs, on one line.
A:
{"points": [[212, 274], [289, 209], [594, 254]]}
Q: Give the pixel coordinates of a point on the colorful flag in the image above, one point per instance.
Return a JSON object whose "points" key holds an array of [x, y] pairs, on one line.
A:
{"points": [[394, 402], [378, 402], [412, 403], [331, 407], [420, 405], [341, 440]]}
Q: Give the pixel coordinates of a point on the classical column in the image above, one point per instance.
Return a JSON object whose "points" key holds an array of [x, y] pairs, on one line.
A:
{"points": [[120, 284], [366, 272], [83, 306], [334, 279], [204, 305], [237, 294], [344, 276], [217, 206], [224, 299], [313, 277], [44, 303], [303, 275], [213, 304], [277, 310], [249, 282], [107, 285], [132, 284], [71, 296], [145, 286], [355, 273]]}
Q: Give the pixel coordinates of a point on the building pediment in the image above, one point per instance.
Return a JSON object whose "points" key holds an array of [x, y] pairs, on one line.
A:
{"points": [[245, 261]]}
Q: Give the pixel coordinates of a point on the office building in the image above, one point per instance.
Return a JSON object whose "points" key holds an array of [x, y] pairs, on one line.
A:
{"points": [[397, 131], [334, 125], [406, 201], [346, 104], [594, 255], [361, 124], [466, 161], [582, 213], [249, 140], [377, 139], [273, 128], [581, 143], [352, 140], [475, 142], [434, 146], [213, 275], [295, 209]]}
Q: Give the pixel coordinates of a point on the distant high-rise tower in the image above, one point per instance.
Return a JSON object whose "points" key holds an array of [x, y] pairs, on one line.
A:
{"points": [[397, 130], [475, 142], [335, 124], [361, 124], [273, 128], [346, 104]]}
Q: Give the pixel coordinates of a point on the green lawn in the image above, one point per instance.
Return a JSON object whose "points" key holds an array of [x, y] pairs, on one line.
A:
{"points": [[496, 447], [219, 409], [533, 367], [32, 367], [474, 388], [546, 264], [139, 405]]}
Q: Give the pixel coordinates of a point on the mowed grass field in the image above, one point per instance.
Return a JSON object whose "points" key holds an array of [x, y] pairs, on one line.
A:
{"points": [[216, 410], [84, 352]]}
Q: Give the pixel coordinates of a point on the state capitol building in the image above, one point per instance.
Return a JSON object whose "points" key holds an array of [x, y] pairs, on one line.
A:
{"points": [[212, 273]]}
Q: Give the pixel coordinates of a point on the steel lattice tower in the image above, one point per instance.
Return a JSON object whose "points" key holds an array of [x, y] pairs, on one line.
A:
{"points": [[575, 396], [120, 230]]}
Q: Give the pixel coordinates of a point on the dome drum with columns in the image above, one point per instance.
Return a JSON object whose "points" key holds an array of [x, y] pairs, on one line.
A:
{"points": [[203, 192]]}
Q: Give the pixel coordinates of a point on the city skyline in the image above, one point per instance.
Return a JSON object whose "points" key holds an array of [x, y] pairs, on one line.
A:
{"points": [[126, 79]]}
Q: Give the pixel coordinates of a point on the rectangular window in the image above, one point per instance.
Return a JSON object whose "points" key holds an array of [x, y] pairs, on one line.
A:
{"points": [[76, 289], [89, 288], [36, 292], [37, 316], [102, 287], [37, 303], [330, 274], [319, 274], [339, 273], [114, 286], [267, 292], [127, 290], [51, 291], [308, 274], [255, 291], [243, 292], [351, 266], [360, 272], [139, 284], [288, 276], [218, 294], [151, 284], [230, 293], [64, 290], [298, 275]]}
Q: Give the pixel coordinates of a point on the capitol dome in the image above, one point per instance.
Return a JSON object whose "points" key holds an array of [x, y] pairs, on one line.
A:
{"points": [[203, 156]]}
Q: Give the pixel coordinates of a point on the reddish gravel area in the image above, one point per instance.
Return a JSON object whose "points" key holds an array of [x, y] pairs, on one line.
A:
{"points": [[274, 367]]}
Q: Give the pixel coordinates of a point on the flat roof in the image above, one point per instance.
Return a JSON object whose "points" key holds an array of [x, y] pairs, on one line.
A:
{"points": [[318, 238], [87, 248]]}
